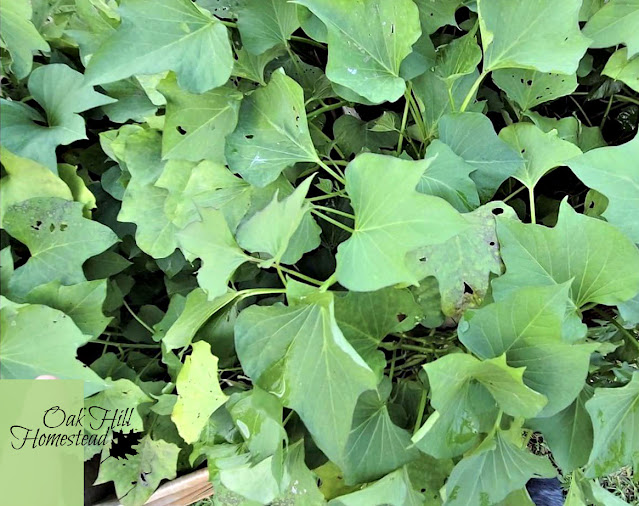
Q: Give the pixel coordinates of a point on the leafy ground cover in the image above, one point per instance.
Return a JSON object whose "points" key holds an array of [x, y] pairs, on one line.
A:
{"points": [[347, 252]]}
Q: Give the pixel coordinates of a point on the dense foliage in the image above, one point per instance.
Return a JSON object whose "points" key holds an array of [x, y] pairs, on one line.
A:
{"points": [[355, 252]]}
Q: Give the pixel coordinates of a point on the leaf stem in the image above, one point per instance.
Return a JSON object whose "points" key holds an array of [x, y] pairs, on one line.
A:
{"points": [[250, 292], [230, 24], [531, 198], [420, 411], [334, 222], [331, 171], [619, 327], [137, 318], [400, 141], [327, 196], [605, 116], [123, 345], [296, 38], [335, 211], [326, 108], [623, 98], [583, 113], [473, 90], [329, 282], [516, 192]]}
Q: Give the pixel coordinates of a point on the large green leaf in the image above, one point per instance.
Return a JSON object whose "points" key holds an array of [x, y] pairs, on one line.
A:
{"points": [[472, 137], [458, 58], [212, 241], [136, 477], [59, 240], [40, 340], [26, 179], [434, 15], [529, 88], [464, 263], [199, 392], [62, 93], [527, 327], [366, 318], [615, 23], [196, 125], [615, 418], [375, 445], [197, 310], [258, 416], [391, 219], [447, 176], [611, 171], [461, 387], [542, 35], [82, 302], [600, 263], [299, 354], [159, 35], [394, 489], [498, 467], [19, 35], [624, 69], [366, 56], [264, 24], [435, 101], [541, 151], [569, 432], [284, 229], [272, 132]]}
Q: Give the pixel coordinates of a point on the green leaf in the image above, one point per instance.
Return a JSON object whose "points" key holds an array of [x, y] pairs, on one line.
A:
{"points": [[498, 467], [434, 15], [505, 383], [353, 136], [82, 302], [92, 23], [615, 23], [26, 179], [59, 240], [279, 229], [542, 36], [462, 387], [464, 263], [615, 417], [609, 170], [250, 66], [366, 318], [366, 56], [541, 151], [136, 477], [19, 36], [159, 35], [40, 340], [529, 88], [375, 445], [6, 268], [568, 433], [132, 101], [212, 241], [447, 177], [258, 416], [472, 137], [600, 263], [199, 392], [386, 204], [394, 489], [62, 93], [527, 327], [272, 132], [299, 354], [197, 310], [196, 125], [624, 69], [264, 24], [434, 99], [458, 58]]}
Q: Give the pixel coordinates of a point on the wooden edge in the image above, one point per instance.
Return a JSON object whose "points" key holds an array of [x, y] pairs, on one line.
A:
{"points": [[182, 491]]}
